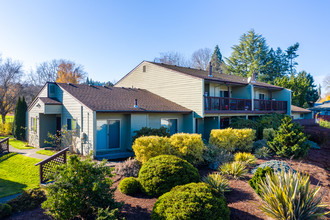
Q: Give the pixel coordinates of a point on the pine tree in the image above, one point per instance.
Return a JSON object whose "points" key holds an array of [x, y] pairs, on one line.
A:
{"points": [[249, 56], [290, 140], [216, 60]]}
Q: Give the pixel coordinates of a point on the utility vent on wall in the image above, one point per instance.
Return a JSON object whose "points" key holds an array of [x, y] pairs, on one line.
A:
{"points": [[144, 69]]}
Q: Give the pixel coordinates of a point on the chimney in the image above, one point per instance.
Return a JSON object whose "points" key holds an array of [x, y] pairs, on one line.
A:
{"points": [[210, 70], [136, 104]]}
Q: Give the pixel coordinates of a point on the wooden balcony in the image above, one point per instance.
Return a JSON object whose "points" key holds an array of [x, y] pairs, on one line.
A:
{"points": [[234, 105]]}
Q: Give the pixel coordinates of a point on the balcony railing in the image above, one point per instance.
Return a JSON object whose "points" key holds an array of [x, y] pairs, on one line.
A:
{"points": [[234, 104]]}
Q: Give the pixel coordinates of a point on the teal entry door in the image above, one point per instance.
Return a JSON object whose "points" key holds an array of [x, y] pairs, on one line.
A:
{"points": [[114, 133]]}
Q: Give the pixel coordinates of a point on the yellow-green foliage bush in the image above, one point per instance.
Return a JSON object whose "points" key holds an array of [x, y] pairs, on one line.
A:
{"points": [[6, 129], [147, 147], [268, 134], [246, 158], [188, 146], [233, 139]]}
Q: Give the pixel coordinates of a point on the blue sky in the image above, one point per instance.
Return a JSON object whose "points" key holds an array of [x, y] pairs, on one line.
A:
{"points": [[109, 38]]}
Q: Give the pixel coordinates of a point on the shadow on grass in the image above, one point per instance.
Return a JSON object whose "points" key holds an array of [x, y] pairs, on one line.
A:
{"points": [[8, 187], [6, 156]]}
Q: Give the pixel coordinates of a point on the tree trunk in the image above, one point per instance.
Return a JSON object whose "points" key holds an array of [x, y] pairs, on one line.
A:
{"points": [[3, 116]]}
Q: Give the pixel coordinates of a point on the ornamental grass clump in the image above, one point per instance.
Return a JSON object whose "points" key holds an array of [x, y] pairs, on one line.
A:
{"points": [[218, 182], [263, 152], [289, 195], [235, 169], [246, 158]]}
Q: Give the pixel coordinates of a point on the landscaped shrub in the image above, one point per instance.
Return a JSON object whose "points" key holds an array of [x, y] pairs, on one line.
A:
{"points": [[268, 134], [29, 199], [192, 201], [107, 214], [80, 188], [242, 123], [233, 139], [188, 147], [289, 140], [235, 169], [129, 167], [273, 120], [246, 158], [324, 123], [259, 175], [259, 144], [5, 210], [276, 165], [218, 182], [129, 186], [145, 131], [160, 174], [151, 146], [288, 195], [215, 156], [6, 129], [263, 152]]}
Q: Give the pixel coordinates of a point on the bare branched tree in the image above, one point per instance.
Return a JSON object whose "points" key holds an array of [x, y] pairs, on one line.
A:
{"points": [[45, 72], [172, 58], [10, 85], [201, 58], [326, 83]]}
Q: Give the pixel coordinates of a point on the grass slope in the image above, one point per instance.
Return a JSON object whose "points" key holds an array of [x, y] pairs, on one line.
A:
{"points": [[17, 173], [21, 145], [46, 152]]}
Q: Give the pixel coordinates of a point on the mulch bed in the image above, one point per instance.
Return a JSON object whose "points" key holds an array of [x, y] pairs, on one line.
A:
{"points": [[242, 200]]}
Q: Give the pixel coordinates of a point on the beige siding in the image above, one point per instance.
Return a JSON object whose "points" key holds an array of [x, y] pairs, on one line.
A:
{"points": [[258, 91], [44, 92], [180, 88], [73, 109]]}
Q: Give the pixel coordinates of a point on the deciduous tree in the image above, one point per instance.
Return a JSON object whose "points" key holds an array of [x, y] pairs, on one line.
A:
{"points": [[70, 72], [201, 58], [10, 85], [172, 58]]}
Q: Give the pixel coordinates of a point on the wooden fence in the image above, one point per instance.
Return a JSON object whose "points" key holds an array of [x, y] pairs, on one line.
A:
{"points": [[47, 166], [4, 146]]}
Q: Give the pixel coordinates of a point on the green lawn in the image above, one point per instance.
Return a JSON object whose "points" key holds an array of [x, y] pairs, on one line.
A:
{"points": [[46, 152], [17, 173], [21, 145]]}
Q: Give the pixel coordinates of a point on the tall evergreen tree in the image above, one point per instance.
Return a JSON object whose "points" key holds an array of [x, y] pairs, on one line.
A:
{"points": [[250, 55], [216, 60], [291, 55], [278, 67], [20, 119]]}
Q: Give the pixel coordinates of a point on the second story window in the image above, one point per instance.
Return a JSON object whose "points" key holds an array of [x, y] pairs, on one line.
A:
{"points": [[72, 124], [261, 96]]}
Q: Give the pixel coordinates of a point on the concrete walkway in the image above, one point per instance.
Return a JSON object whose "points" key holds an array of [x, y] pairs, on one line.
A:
{"points": [[28, 152]]}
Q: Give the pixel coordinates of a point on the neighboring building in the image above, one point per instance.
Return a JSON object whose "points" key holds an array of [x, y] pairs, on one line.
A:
{"points": [[213, 97], [322, 109], [151, 95], [104, 117], [300, 113]]}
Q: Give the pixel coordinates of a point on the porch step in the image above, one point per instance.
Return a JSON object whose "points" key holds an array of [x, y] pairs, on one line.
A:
{"points": [[115, 155]]}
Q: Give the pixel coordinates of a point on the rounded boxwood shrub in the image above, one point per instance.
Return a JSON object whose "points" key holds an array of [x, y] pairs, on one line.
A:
{"points": [[191, 201], [129, 186], [160, 174], [259, 175], [5, 210]]}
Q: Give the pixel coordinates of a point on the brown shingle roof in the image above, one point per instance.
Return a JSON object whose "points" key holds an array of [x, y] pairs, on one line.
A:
{"points": [[299, 110], [49, 101], [114, 99], [215, 76]]}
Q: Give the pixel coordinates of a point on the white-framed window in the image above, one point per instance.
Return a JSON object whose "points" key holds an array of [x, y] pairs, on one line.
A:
{"points": [[33, 124], [262, 96], [171, 124], [72, 124]]}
